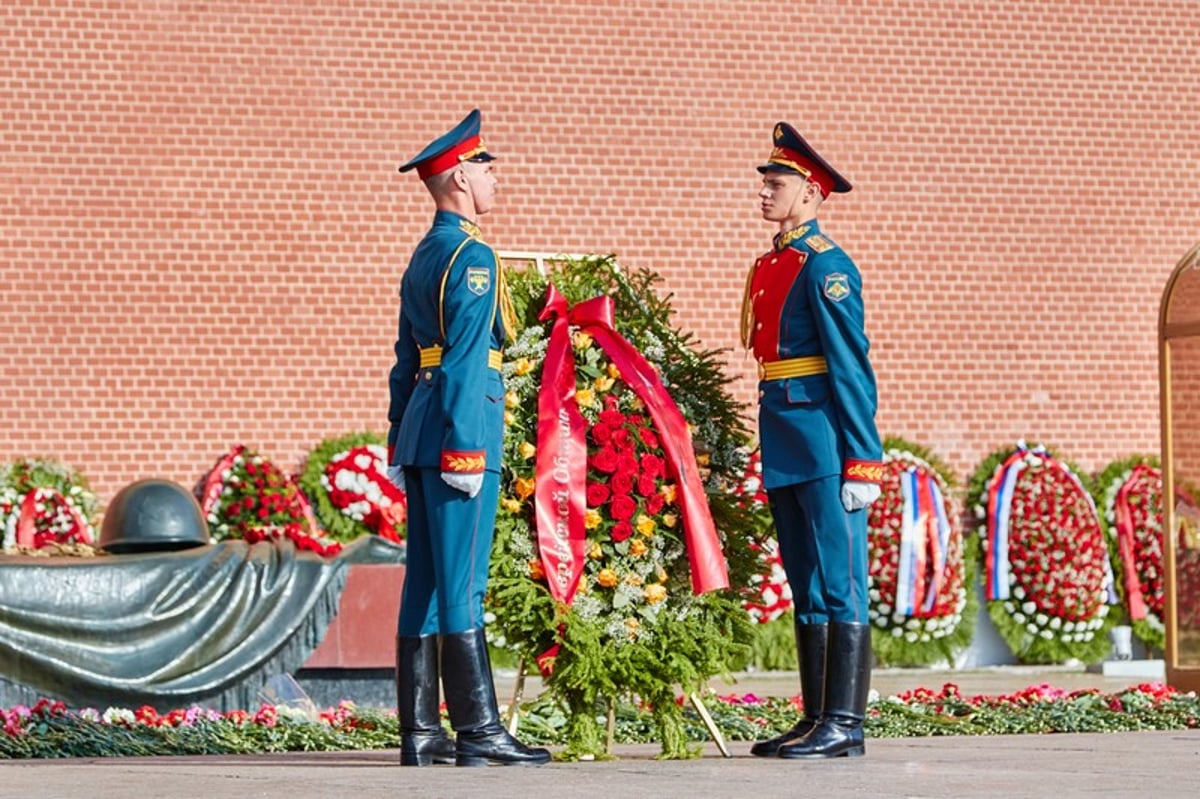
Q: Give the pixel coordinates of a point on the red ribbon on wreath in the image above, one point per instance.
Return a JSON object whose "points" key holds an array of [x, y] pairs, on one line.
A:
{"points": [[26, 533], [1125, 540], [211, 492], [562, 451]]}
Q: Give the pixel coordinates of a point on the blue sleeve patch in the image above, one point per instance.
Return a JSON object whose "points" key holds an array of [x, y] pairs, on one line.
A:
{"points": [[479, 280], [837, 286]]}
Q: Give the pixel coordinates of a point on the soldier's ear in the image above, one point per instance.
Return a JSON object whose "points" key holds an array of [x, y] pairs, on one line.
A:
{"points": [[460, 178]]}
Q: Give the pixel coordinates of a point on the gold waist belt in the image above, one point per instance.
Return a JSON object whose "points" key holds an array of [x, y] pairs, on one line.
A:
{"points": [[792, 367], [432, 356]]}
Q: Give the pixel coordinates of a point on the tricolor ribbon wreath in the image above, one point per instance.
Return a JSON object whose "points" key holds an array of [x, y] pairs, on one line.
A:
{"points": [[1048, 579], [919, 564]]}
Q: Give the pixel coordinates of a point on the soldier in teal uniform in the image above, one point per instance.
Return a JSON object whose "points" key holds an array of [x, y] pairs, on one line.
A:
{"points": [[444, 444], [802, 317]]}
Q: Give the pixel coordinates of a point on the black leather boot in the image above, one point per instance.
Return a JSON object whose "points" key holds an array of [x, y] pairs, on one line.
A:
{"points": [[812, 640], [423, 739], [847, 683], [471, 700]]}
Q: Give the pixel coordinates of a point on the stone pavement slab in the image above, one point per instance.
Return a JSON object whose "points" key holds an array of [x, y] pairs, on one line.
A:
{"points": [[1164, 765]]}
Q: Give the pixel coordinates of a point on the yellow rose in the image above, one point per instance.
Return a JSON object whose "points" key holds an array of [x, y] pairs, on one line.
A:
{"points": [[702, 459], [654, 593], [511, 505], [524, 487], [667, 492], [585, 397], [607, 578], [592, 519], [669, 519], [634, 579], [595, 553], [511, 400], [523, 366], [660, 574], [509, 417], [603, 383], [613, 371], [581, 341], [645, 525], [527, 450], [637, 547]]}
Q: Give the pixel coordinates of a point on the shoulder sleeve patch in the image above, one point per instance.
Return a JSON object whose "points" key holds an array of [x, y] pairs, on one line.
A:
{"points": [[837, 286], [818, 243], [479, 280]]}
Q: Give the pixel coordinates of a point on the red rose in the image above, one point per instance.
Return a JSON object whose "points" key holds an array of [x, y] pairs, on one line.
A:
{"points": [[648, 437], [622, 483], [653, 465], [647, 485], [605, 460], [601, 433], [597, 494], [621, 531], [627, 463], [613, 418], [654, 504], [622, 508]]}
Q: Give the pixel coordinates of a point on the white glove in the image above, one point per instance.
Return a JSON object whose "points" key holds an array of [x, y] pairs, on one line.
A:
{"points": [[396, 475], [469, 484], [857, 494]]}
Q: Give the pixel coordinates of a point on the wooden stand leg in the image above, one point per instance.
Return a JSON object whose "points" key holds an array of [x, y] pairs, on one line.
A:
{"points": [[514, 707], [715, 733]]}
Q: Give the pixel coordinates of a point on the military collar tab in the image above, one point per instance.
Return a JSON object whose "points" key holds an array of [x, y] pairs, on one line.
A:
{"points": [[471, 229], [782, 240]]}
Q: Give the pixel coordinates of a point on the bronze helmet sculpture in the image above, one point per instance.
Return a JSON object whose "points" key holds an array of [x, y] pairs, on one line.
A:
{"points": [[152, 516]]}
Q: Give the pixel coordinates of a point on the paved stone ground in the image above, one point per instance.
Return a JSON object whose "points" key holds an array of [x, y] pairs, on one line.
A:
{"points": [[1158, 764]]}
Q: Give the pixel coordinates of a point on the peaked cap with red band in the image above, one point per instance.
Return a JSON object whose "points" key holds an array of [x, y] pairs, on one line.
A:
{"points": [[793, 154], [462, 143]]}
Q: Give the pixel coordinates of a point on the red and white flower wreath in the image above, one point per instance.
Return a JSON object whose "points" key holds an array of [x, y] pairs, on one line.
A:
{"points": [[358, 487]]}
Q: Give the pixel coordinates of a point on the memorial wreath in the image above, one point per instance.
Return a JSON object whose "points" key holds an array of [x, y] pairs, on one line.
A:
{"points": [[617, 591], [1048, 581]]}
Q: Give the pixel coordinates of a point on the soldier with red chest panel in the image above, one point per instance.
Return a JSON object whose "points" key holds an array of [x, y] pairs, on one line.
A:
{"points": [[802, 317]]}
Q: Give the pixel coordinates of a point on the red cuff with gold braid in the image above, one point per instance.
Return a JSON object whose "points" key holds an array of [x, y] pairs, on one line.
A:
{"points": [[463, 461], [863, 471]]}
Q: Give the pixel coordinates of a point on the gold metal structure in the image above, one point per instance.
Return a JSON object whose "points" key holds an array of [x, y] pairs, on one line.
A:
{"points": [[1179, 398]]}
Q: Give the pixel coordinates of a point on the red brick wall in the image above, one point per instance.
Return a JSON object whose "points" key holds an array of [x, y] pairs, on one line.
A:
{"points": [[202, 229]]}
